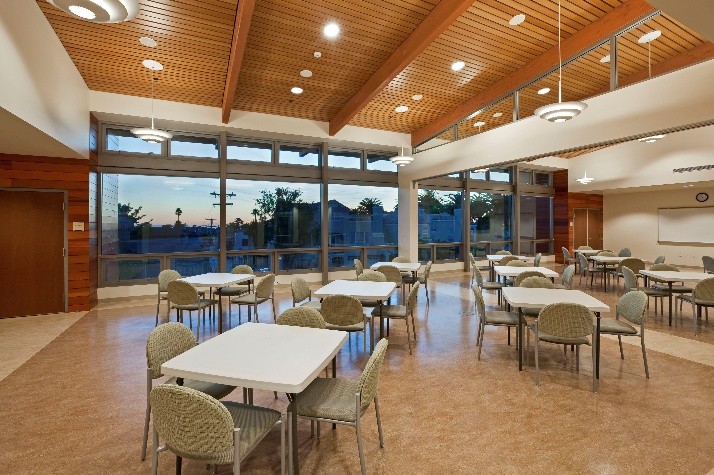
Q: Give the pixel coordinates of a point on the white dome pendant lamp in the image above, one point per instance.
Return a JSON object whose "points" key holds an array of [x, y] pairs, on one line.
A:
{"points": [[560, 111], [401, 160], [99, 11], [153, 134]]}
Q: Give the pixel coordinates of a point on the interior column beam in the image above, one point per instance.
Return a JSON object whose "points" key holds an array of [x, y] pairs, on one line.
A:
{"points": [[244, 13]]}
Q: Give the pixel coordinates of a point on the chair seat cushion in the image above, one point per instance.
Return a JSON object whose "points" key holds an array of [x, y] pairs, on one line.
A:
{"points": [[316, 304], [614, 327], [201, 304], [329, 398], [559, 339], [499, 317], [218, 391], [562, 286], [492, 286], [369, 303], [232, 291], [391, 311], [650, 292], [531, 312], [676, 289], [689, 298], [249, 299], [355, 327]]}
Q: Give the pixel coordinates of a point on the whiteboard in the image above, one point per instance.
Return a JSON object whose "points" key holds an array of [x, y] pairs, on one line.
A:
{"points": [[691, 225]]}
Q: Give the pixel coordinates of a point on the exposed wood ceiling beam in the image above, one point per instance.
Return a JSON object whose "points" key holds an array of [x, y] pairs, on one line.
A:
{"points": [[435, 23], [620, 17], [244, 13], [703, 52]]}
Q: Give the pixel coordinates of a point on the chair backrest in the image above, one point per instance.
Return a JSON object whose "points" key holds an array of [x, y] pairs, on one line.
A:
{"points": [[625, 252], [704, 290], [708, 262], [664, 267], [632, 306], [525, 275], [165, 342], [585, 248], [242, 269], [633, 263], [391, 273], [370, 376], [518, 263], [412, 298], [536, 260], [359, 268], [182, 292], [372, 276], [301, 317], [401, 259], [606, 254], [166, 276], [630, 279], [566, 255], [264, 289], [478, 297], [568, 275], [341, 310], [536, 282], [427, 270], [505, 260], [566, 320], [582, 261], [300, 289], [659, 260], [503, 253], [479, 278], [192, 423]]}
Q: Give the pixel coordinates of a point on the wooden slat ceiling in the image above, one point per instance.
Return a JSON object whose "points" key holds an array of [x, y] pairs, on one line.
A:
{"points": [[194, 39], [582, 152]]}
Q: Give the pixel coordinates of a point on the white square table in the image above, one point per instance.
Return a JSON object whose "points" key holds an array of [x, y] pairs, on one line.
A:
{"points": [[412, 267], [523, 297], [508, 271], [587, 252], [261, 356], [607, 262], [494, 258], [363, 290], [218, 280], [670, 277]]}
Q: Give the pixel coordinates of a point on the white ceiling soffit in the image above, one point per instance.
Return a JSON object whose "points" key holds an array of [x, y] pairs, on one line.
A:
{"points": [[672, 100], [18, 137], [696, 14]]}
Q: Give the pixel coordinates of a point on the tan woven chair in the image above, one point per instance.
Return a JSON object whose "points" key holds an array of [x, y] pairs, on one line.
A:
{"points": [[633, 263], [524, 275], [606, 253], [535, 282], [359, 268], [494, 318], [708, 263], [401, 312], [302, 317], [236, 290], [702, 298], [184, 296], [342, 401], [518, 263], [423, 279], [504, 261], [263, 292], [563, 324], [301, 291], [567, 278], [345, 313], [393, 275], [402, 259], [503, 253], [585, 248], [165, 276], [371, 276], [196, 426], [632, 307], [165, 342], [632, 284], [497, 286]]}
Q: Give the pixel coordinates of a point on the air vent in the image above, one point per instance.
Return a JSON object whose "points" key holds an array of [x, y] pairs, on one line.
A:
{"points": [[693, 169]]}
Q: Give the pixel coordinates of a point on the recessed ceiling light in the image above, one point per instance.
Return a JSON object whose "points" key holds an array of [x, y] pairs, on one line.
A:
{"points": [[605, 59], [146, 41], [498, 114], [458, 65], [306, 73], [545, 90], [153, 65], [517, 20], [401, 109], [479, 124], [317, 54], [688, 186], [652, 138], [474, 114], [417, 97], [82, 12], [296, 90], [331, 30], [649, 37]]}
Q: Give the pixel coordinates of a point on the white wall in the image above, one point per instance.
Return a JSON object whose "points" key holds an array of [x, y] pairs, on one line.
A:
{"points": [[630, 220], [38, 81]]}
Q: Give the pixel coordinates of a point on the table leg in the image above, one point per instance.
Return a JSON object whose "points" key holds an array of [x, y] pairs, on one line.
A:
{"points": [[220, 313], [381, 321], [597, 348], [179, 381], [491, 271], [520, 339], [669, 284], [293, 433]]}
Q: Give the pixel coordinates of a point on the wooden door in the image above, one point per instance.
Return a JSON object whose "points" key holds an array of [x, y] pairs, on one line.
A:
{"points": [[580, 228], [594, 234], [32, 275]]}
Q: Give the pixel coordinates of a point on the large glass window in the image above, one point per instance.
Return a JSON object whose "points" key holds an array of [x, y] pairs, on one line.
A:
{"points": [[535, 223], [159, 214], [272, 215], [381, 161], [439, 216], [122, 140], [491, 217], [260, 263], [362, 215], [299, 154], [500, 174], [249, 151], [345, 159], [131, 269], [193, 146]]}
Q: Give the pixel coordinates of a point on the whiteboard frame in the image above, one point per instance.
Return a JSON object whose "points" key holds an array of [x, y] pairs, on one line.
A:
{"points": [[659, 240]]}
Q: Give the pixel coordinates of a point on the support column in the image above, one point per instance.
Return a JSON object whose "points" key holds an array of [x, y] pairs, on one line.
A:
{"points": [[613, 63], [222, 164], [408, 217], [466, 220], [516, 213], [324, 217]]}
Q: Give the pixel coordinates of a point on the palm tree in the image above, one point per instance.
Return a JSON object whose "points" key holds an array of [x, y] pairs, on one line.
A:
{"points": [[178, 213], [366, 206]]}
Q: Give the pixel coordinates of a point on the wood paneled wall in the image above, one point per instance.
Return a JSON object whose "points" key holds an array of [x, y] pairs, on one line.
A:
{"points": [[79, 178], [563, 205]]}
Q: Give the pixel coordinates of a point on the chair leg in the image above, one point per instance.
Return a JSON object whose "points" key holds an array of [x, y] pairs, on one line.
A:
{"points": [[379, 421], [358, 428], [414, 329], [256, 313], [622, 353], [644, 357], [158, 305], [479, 340], [536, 357], [155, 454], [577, 358], [179, 462], [509, 335], [318, 429], [148, 415], [594, 351]]}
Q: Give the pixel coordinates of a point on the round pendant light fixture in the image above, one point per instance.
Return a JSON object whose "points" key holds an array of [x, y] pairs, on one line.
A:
{"points": [[560, 111], [152, 134], [401, 159], [585, 179], [96, 11], [649, 38]]}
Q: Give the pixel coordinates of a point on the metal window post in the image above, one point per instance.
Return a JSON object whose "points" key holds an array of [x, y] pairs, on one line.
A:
{"points": [[516, 105], [516, 235], [613, 63], [466, 219], [324, 218], [222, 167]]}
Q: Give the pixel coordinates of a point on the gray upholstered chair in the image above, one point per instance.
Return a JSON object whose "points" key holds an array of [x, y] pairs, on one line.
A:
{"points": [[567, 260], [345, 313], [536, 260], [165, 342], [183, 296], [359, 268], [196, 426], [659, 260], [631, 307], [302, 317], [659, 285], [475, 267], [423, 279], [301, 291], [371, 276], [496, 318], [625, 252], [263, 292], [236, 290], [393, 275], [401, 312], [342, 401], [633, 263], [708, 263], [564, 324], [503, 252], [524, 275], [632, 284], [567, 278], [587, 271], [165, 276], [497, 286], [702, 297]]}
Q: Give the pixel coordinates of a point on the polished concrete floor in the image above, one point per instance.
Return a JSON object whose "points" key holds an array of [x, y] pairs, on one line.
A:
{"points": [[77, 404]]}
